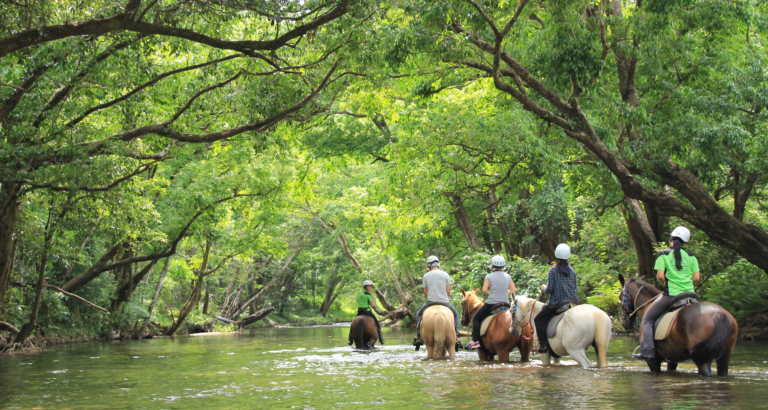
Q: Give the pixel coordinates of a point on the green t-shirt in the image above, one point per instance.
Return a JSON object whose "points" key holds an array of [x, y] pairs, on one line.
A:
{"points": [[363, 300], [678, 281]]}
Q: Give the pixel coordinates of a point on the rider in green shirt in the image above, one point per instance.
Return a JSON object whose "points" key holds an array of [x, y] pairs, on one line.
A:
{"points": [[676, 268], [364, 304]]}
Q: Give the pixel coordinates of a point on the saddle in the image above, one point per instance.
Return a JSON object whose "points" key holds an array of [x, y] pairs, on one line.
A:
{"points": [[487, 321], [560, 309], [664, 323]]}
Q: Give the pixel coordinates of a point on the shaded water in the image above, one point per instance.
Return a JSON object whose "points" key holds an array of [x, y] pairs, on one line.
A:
{"points": [[305, 368]]}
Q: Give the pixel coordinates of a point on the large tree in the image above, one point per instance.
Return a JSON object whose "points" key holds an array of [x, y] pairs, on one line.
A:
{"points": [[92, 96], [667, 96]]}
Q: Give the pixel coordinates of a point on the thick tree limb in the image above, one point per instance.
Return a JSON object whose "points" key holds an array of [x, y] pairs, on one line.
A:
{"points": [[125, 22]]}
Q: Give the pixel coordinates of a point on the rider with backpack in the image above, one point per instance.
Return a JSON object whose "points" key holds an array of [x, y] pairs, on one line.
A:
{"points": [[498, 285], [677, 269], [561, 285]]}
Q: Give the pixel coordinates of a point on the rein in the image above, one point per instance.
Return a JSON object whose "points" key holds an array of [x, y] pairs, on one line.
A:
{"points": [[625, 303]]}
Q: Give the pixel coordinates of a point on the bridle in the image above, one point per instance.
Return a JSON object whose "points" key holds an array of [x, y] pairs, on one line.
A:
{"points": [[624, 298], [518, 325]]}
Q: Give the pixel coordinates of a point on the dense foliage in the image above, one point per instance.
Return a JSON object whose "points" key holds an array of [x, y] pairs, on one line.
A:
{"points": [[180, 166]]}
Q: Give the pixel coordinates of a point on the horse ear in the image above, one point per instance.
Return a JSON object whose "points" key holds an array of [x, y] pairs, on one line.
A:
{"points": [[621, 279], [477, 290], [463, 292]]}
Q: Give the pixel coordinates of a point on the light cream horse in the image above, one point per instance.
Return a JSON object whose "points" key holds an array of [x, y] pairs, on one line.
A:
{"points": [[581, 326], [438, 333]]}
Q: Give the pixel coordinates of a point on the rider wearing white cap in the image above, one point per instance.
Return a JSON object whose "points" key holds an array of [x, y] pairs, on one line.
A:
{"points": [[364, 304], [561, 285], [437, 287], [676, 268], [498, 285]]}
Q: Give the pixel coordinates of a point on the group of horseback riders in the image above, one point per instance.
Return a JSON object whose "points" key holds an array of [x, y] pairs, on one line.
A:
{"points": [[676, 269]]}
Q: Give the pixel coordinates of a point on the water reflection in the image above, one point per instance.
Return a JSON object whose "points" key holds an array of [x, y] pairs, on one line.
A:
{"points": [[313, 368]]}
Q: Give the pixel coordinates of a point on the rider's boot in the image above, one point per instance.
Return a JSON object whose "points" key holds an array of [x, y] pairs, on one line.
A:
{"points": [[472, 345], [418, 342], [542, 348]]}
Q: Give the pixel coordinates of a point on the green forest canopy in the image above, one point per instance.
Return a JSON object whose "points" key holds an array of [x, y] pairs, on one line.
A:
{"points": [[166, 162]]}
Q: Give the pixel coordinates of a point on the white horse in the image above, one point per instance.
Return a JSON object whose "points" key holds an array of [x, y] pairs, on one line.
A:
{"points": [[581, 326]]}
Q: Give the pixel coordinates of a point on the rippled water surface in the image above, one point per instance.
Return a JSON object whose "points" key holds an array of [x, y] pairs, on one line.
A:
{"points": [[312, 368]]}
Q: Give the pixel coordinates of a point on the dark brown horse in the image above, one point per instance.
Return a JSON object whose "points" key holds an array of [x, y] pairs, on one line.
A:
{"points": [[702, 331], [363, 331], [497, 340]]}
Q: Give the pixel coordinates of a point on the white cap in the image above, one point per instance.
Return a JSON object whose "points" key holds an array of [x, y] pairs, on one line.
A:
{"points": [[433, 261]]}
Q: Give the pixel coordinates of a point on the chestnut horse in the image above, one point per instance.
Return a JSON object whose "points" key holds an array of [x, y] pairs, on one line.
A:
{"points": [[702, 331], [438, 333], [497, 340], [364, 332]]}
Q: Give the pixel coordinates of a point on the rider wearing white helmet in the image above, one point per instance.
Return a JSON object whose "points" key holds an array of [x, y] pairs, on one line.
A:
{"points": [[561, 285], [498, 285], [676, 268], [364, 304], [437, 287]]}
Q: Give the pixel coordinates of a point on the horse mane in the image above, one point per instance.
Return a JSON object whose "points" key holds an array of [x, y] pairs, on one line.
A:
{"points": [[645, 285]]}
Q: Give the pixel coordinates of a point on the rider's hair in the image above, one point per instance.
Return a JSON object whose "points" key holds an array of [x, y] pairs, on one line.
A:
{"points": [[561, 266], [677, 244]]}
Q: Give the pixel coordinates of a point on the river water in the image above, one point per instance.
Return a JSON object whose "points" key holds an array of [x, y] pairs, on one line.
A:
{"points": [[312, 368]]}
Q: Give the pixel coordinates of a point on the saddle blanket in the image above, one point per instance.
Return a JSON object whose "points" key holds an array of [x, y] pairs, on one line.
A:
{"points": [[552, 326], [664, 325], [487, 323]]}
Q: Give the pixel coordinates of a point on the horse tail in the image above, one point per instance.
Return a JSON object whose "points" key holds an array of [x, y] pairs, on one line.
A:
{"points": [[602, 336], [438, 335], [713, 347], [360, 336]]}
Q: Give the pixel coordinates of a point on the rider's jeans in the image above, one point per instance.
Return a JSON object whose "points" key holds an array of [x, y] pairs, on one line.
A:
{"points": [[426, 305], [647, 348]]}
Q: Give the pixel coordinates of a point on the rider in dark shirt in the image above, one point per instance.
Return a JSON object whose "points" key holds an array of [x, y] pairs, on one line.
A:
{"points": [[561, 285]]}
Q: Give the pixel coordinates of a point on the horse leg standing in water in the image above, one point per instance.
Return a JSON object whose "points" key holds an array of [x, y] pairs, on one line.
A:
{"points": [[497, 340], [438, 332], [702, 331], [363, 332], [581, 326]]}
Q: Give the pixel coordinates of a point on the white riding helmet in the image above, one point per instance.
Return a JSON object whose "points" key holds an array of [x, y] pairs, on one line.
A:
{"points": [[682, 233], [498, 262], [367, 283], [563, 251], [433, 261]]}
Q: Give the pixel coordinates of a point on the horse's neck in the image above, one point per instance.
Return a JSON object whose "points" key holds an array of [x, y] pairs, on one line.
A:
{"points": [[475, 303], [643, 296], [537, 306]]}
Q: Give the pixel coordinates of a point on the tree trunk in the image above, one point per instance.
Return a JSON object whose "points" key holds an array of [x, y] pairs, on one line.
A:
{"points": [[547, 241], [27, 329], [404, 301], [463, 220], [642, 236], [77, 283], [330, 294], [194, 297], [9, 214], [253, 298], [126, 290], [207, 298], [156, 296], [254, 317]]}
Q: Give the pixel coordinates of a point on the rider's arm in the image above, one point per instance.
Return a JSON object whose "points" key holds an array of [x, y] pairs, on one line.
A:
{"points": [[695, 268], [486, 284], [696, 277], [448, 289], [425, 291], [512, 289], [660, 276]]}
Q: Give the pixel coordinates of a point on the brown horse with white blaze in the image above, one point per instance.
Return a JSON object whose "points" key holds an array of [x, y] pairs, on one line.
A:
{"points": [[497, 339], [702, 331]]}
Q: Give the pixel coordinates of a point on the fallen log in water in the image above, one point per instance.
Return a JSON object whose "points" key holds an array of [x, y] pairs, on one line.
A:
{"points": [[254, 317]]}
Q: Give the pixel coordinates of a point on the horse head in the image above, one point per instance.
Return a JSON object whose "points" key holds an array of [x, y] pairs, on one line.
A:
{"points": [[635, 297], [523, 305], [470, 303]]}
